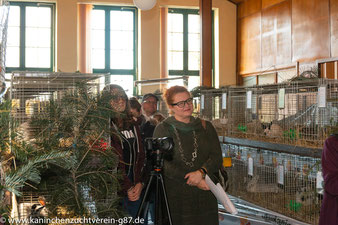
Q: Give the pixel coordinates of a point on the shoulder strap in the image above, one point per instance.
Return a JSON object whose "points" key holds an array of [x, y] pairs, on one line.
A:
{"points": [[204, 124]]}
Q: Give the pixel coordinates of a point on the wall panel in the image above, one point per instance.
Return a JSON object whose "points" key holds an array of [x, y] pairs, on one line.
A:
{"points": [[249, 43], [276, 35], [310, 30], [334, 27], [249, 7]]}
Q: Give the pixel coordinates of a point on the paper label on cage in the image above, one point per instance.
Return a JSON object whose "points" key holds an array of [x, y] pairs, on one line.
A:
{"points": [[224, 100], [321, 97], [280, 175], [202, 101], [319, 180], [281, 98], [248, 99], [250, 166]]}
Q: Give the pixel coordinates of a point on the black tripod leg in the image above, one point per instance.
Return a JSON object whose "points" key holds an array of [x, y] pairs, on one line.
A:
{"points": [[143, 206], [165, 199]]}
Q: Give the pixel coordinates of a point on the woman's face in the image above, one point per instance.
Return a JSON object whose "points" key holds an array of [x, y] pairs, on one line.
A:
{"points": [[118, 101], [182, 105]]}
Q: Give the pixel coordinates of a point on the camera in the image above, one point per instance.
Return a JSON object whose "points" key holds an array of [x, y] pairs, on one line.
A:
{"points": [[164, 144], [156, 148]]}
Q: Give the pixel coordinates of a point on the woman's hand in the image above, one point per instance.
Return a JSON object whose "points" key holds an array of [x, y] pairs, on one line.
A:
{"points": [[203, 185], [135, 192], [194, 178]]}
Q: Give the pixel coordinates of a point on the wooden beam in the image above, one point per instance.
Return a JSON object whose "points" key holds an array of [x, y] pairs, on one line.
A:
{"points": [[206, 42]]}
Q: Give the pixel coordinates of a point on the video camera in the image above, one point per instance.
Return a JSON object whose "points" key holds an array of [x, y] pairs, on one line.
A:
{"points": [[156, 147]]}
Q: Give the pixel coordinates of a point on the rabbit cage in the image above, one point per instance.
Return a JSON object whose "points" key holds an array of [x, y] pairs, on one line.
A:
{"points": [[30, 93], [274, 135]]}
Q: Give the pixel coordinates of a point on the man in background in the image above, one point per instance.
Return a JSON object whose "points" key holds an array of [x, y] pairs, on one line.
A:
{"points": [[151, 115]]}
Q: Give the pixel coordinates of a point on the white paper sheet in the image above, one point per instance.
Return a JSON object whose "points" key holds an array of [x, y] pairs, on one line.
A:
{"points": [[221, 196]]}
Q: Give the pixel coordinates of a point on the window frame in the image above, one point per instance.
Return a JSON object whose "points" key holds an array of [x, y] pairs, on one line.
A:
{"points": [[185, 71], [22, 47], [107, 69]]}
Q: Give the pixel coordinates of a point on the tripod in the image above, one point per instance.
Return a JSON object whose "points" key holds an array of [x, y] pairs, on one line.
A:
{"points": [[157, 180]]}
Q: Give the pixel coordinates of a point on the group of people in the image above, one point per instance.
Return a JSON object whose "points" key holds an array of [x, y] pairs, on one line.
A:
{"points": [[196, 152]]}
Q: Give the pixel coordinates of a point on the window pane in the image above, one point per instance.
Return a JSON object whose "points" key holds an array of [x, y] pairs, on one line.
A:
{"points": [[194, 24], [194, 61], [193, 81], [122, 20], [175, 60], [121, 59], [175, 41], [36, 57], [98, 58], [38, 17], [13, 38], [12, 56], [125, 81], [97, 20], [194, 43], [98, 39], [38, 37], [121, 40], [175, 23]]}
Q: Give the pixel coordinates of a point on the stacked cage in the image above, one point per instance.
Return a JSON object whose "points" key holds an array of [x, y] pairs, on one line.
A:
{"points": [[31, 93], [243, 121], [307, 111], [281, 182], [214, 108]]}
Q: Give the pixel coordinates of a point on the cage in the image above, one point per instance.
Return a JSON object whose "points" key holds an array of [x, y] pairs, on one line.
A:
{"points": [[31, 91], [281, 182], [214, 107], [307, 111]]}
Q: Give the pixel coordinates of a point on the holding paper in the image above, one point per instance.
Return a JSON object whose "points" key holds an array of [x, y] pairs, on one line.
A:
{"points": [[221, 196]]}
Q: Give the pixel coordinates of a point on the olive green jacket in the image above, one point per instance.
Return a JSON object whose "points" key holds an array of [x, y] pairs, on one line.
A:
{"points": [[209, 153]]}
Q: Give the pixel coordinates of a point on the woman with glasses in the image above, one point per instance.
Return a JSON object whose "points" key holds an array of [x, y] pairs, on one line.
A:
{"points": [[126, 141], [197, 152]]}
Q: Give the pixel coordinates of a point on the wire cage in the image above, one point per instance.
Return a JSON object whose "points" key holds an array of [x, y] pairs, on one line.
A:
{"points": [[4, 10], [307, 111], [31, 91], [300, 113], [284, 183], [214, 107], [243, 121]]}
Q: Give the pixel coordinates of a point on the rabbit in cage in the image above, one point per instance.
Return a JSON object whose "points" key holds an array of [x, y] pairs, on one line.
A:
{"points": [[254, 186], [273, 131], [306, 196]]}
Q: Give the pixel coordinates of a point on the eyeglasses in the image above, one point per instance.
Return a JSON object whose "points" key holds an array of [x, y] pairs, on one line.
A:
{"points": [[181, 104]]}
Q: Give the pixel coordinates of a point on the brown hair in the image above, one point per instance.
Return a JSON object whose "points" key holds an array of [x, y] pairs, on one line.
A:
{"points": [[171, 92], [135, 104]]}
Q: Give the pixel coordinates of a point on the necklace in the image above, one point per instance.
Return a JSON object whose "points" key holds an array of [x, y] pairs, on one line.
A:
{"points": [[180, 149]]}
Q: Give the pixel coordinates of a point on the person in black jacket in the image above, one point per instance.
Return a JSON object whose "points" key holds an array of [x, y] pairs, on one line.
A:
{"points": [[127, 142]]}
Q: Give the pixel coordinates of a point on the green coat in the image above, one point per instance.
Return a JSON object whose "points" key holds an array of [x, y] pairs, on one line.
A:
{"points": [[188, 204]]}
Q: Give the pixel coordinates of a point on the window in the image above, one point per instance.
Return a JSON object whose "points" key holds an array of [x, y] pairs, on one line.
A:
{"points": [[30, 36], [184, 45], [114, 35]]}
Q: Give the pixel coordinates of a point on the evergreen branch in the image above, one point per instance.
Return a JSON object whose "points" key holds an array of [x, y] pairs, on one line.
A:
{"points": [[89, 149]]}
